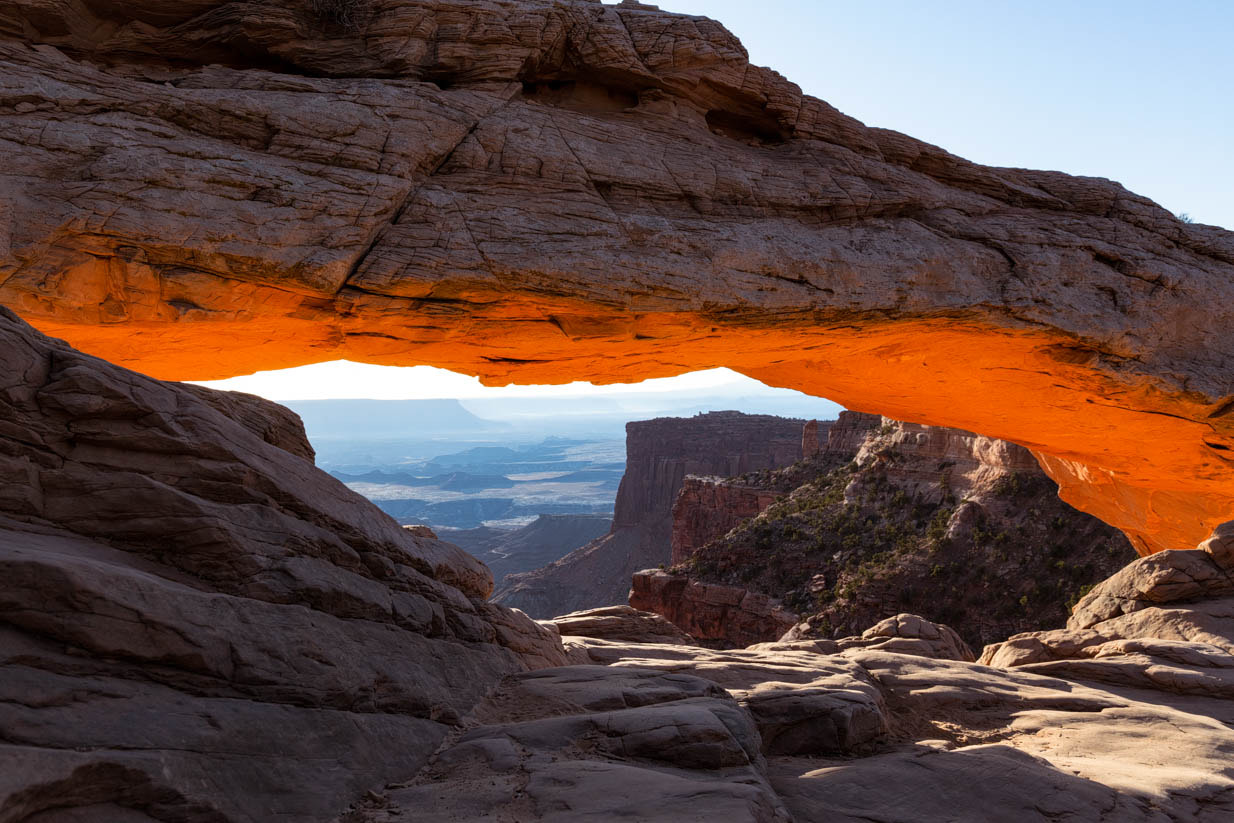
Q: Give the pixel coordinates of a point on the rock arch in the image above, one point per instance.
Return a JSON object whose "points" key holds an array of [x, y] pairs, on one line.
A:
{"points": [[558, 190]]}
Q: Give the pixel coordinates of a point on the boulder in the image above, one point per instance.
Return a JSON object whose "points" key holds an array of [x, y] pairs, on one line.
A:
{"points": [[619, 623]]}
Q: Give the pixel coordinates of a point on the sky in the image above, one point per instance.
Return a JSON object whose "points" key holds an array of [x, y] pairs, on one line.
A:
{"points": [[1138, 92], [341, 379]]}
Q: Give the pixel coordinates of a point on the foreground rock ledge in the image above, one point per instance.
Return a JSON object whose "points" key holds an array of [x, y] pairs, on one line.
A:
{"points": [[552, 191]]}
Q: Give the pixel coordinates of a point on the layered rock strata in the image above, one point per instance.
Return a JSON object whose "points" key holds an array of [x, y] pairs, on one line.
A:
{"points": [[184, 596], [562, 190], [619, 623], [709, 507], [659, 455], [716, 615], [1110, 740], [196, 624]]}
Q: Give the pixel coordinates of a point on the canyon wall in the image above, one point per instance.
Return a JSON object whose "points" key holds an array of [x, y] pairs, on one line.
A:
{"points": [[558, 190], [659, 455], [708, 507], [546, 539], [885, 517], [723, 617]]}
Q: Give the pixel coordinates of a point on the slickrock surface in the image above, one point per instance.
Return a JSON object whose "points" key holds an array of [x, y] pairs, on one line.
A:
{"points": [[720, 616], [962, 741], [198, 624], [890, 517], [659, 455], [1165, 621], [619, 623], [548, 190], [594, 743]]}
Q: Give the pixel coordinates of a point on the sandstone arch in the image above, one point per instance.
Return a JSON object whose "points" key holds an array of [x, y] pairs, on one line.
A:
{"points": [[557, 190]]}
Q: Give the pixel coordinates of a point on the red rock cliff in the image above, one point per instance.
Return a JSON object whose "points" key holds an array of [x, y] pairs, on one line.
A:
{"points": [[887, 517], [708, 506], [659, 455]]}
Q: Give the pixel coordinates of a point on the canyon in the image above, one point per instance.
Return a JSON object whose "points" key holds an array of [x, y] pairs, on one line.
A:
{"points": [[200, 625], [548, 191], [882, 517], [660, 453]]}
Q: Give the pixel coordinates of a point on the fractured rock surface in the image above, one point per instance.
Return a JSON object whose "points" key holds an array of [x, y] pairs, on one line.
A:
{"points": [[718, 615], [185, 596], [619, 623], [234, 636], [558, 190]]}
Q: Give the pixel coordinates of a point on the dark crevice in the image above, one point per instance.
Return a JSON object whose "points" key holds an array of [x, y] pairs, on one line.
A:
{"points": [[579, 95], [763, 129]]}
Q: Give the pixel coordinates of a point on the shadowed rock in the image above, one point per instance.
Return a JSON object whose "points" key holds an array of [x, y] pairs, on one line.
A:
{"points": [[186, 596]]}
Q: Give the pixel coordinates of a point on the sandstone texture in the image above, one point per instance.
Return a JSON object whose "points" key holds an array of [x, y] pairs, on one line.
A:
{"points": [[619, 623], [1149, 624], [716, 615], [660, 453], [553, 190], [198, 624], [856, 731], [709, 507], [888, 517]]}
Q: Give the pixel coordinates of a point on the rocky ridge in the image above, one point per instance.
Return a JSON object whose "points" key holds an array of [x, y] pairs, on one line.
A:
{"points": [[196, 624], [886, 517], [546, 539], [659, 455]]}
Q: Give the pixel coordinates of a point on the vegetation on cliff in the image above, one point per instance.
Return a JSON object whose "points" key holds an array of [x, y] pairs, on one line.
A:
{"points": [[849, 543]]}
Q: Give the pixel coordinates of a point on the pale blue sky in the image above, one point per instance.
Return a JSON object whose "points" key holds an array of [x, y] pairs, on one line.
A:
{"points": [[1139, 92]]}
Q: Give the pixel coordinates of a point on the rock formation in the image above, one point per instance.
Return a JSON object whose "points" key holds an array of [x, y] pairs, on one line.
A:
{"points": [[659, 455], [826, 727], [888, 517], [561, 190], [183, 596], [619, 623], [196, 624], [724, 617], [708, 507]]}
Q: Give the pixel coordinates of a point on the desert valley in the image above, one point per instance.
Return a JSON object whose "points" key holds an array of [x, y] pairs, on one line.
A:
{"points": [[967, 554]]}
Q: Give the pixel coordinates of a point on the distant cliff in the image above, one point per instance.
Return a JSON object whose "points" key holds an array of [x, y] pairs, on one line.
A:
{"points": [[547, 538], [888, 517], [659, 455]]}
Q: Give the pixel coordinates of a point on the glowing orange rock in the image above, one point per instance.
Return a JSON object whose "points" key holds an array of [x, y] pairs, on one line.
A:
{"points": [[543, 192]]}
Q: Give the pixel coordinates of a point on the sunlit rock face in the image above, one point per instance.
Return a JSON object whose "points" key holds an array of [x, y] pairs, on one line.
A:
{"points": [[552, 191]]}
